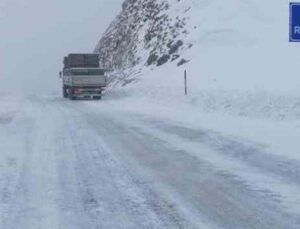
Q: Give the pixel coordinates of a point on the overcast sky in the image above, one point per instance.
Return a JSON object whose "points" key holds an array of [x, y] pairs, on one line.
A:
{"points": [[36, 34]]}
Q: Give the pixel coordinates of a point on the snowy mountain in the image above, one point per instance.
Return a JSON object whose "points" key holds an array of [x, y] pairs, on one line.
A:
{"points": [[236, 53], [144, 33]]}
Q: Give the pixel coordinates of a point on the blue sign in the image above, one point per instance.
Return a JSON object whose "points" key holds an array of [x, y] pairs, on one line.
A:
{"points": [[295, 22]]}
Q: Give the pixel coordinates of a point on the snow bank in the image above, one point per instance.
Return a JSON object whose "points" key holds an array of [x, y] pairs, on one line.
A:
{"points": [[205, 96], [9, 107]]}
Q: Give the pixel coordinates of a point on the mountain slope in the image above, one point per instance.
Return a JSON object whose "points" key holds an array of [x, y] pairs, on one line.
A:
{"points": [[236, 53], [144, 33]]}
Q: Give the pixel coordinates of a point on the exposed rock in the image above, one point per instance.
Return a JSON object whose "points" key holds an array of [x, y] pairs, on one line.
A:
{"points": [[175, 57], [164, 59], [182, 62], [174, 48], [142, 25], [152, 59]]}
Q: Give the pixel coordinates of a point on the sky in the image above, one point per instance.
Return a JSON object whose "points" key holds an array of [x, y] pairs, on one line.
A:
{"points": [[35, 35]]}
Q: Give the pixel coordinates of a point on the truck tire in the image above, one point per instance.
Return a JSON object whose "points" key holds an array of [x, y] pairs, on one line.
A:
{"points": [[97, 97], [64, 92], [70, 94]]}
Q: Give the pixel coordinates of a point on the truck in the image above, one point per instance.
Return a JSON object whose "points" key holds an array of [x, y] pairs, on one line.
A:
{"points": [[82, 76]]}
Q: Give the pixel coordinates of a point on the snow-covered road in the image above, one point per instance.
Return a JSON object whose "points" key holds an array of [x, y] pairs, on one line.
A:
{"points": [[68, 165]]}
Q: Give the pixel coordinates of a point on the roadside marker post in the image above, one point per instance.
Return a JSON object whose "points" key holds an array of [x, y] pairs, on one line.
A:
{"points": [[185, 83]]}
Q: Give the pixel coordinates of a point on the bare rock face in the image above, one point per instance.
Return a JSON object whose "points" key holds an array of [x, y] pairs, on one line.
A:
{"points": [[145, 33]]}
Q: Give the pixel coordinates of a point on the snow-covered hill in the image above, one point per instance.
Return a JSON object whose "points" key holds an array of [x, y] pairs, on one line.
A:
{"points": [[145, 33], [239, 60]]}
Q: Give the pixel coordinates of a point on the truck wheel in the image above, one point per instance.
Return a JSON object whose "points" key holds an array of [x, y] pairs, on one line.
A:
{"points": [[72, 97], [97, 97], [70, 94], [65, 94]]}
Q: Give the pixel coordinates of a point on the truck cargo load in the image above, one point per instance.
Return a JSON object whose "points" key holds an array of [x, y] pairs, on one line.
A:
{"points": [[76, 60]]}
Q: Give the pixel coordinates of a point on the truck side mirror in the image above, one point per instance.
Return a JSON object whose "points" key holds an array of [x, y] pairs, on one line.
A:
{"points": [[60, 74]]}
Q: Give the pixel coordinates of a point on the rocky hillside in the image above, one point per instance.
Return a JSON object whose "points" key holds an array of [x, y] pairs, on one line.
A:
{"points": [[229, 45], [146, 32], [239, 57]]}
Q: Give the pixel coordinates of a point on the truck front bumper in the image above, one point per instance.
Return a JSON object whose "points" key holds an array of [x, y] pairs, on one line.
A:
{"points": [[87, 92]]}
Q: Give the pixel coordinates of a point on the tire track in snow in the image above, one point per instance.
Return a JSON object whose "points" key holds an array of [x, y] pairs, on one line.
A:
{"points": [[253, 155], [114, 193], [246, 207], [33, 204]]}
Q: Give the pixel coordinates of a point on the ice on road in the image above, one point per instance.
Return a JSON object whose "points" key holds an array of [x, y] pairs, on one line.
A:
{"points": [[67, 165]]}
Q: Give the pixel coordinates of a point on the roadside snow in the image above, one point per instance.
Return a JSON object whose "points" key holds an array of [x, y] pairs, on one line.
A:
{"points": [[266, 143], [259, 117], [9, 107]]}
